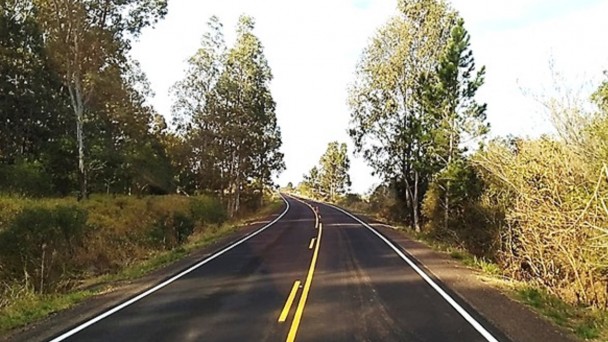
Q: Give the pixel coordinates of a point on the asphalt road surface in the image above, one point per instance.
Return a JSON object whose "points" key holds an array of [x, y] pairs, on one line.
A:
{"points": [[304, 277]]}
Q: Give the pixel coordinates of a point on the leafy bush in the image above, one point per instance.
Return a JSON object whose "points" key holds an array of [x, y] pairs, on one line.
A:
{"points": [[206, 209], [473, 221], [25, 178], [39, 245], [172, 230]]}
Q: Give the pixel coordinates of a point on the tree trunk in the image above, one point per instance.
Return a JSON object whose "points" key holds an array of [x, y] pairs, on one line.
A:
{"points": [[78, 106], [237, 197], [415, 204], [81, 165], [447, 185]]}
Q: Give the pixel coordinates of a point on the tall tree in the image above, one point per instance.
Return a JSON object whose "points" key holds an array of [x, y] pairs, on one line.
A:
{"points": [[334, 178], [390, 124], [450, 96], [225, 110], [84, 39], [330, 178], [312, 182], [33, 136]]}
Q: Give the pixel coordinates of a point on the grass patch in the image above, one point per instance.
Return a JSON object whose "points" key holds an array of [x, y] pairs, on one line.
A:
{"points": [[30, 307], [587, 323]]}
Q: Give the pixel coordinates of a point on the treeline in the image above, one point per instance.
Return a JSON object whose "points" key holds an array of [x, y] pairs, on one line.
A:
{"points": [[536, 207], [330, 179], [74, 116]]}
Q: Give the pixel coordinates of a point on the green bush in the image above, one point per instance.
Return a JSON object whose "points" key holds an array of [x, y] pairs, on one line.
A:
{"points": [[205, 209], [26, 179], [39, 245], [473, 221], [171, 230]]}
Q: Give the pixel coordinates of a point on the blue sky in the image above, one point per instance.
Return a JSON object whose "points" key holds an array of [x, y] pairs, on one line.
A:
{"points": [[313, 47]]}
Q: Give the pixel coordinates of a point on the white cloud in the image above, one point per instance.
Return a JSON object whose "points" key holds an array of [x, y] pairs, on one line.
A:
{"points": [[313, 47]]}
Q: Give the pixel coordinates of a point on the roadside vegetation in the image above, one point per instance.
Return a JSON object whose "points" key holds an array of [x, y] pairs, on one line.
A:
{"points": [[55, 253], [95, 185], [531, 212]]}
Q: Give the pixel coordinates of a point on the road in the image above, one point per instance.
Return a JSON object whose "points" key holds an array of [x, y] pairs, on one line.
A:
{"points": [[348, 284]]}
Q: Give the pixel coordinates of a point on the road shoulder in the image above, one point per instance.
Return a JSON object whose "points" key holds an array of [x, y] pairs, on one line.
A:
{"points": [[512, 318]]}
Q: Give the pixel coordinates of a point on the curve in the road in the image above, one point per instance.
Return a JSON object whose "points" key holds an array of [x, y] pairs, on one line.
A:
{"points": [[485, 333], [168, 281]]}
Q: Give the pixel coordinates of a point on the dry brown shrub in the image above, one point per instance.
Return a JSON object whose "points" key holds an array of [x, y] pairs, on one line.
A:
{"points": [[554, 231]]}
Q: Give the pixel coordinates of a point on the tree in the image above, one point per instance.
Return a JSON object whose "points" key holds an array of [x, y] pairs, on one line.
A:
{"points": [[390, 124], [225, 111], [334, 178], [34, 136], [450, 97], [85, 38], [330, 179], [312, 182]]}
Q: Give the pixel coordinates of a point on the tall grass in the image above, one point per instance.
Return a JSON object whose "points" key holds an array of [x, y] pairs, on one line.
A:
{"points": [[123, 238], [50, 244]]}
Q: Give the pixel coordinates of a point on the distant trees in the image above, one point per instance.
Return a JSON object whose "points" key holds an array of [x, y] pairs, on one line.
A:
{"points": [[226, 115], [330, 179]]}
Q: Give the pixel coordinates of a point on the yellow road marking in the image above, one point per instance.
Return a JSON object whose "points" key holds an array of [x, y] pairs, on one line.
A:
{"points": [[293, 330], [312, 242], [292, 296]]}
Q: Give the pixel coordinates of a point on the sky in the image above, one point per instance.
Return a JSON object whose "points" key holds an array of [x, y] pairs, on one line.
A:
{"points": [[313, 48]]}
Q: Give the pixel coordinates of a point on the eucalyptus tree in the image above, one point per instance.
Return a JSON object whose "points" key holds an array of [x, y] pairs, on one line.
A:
{"points": [[251, 120], [329, 179], [84, 38], [390, 124], [224, 109], [334, 178]]}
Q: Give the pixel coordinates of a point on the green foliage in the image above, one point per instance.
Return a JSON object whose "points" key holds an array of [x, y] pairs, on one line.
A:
{"points": [[391, 123], [39, 244], [228, 134], [25, 179], [330, 179], [206, 209], [473, 222], [172, 230]]}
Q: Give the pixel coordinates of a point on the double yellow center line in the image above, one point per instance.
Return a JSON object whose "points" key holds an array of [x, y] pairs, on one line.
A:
{"points": [[293, 330]]}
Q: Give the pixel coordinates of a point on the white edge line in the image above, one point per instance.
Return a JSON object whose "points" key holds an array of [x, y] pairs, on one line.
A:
{"points": [[166, 282], [430, 281]]}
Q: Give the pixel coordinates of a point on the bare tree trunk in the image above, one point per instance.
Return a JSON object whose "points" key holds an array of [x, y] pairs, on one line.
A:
{"points": [[447, 185], [81, 165], [237, 198], [78, 106], [415, 204]]}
